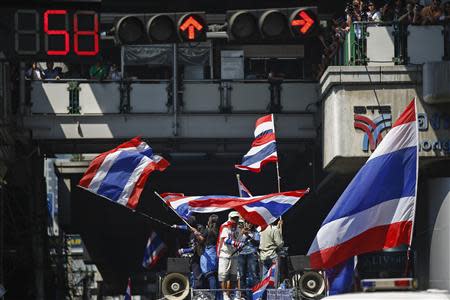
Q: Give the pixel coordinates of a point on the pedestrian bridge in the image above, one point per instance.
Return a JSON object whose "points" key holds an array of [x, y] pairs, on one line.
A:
{"points": [[83, 111]]}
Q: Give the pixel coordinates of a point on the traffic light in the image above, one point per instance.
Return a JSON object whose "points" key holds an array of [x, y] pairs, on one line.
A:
{"points": [[272, 24], [161, 28]]}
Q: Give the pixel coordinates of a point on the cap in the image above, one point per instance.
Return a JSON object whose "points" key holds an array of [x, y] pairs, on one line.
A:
{"points": [[233, 214]]}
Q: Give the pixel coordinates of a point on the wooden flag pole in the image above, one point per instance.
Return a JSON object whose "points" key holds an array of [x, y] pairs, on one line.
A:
{"points": [[188, 225]]}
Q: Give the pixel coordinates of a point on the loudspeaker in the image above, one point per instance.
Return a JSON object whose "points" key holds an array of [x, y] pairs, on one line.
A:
{"points": [[175, 286], [178, 265], [308, 284]]}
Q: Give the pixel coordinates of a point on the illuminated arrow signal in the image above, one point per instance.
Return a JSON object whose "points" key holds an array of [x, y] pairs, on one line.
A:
{"points": [[191, 24], [304, 22]]}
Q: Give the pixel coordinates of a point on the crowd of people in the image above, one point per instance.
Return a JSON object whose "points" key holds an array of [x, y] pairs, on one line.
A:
{"points": [[98, 71], [410, 12], [230, 256]]}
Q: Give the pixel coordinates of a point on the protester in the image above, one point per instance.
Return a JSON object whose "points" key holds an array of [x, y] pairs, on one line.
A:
{"points": [[51, 72], [194, 249], [208, 259], [227, 246], [373, 15], [97, 71], [34, 72], [114, 73], [412, 15], [248, 257], [271, 243], [392, 10], [354, 13], [432, 13]]}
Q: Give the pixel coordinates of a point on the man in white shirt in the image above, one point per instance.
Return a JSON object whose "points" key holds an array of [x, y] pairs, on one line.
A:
{"points": [[227, 245]]}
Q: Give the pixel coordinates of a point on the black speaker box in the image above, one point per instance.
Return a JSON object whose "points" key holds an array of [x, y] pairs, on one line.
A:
{"points": [[299, 263], [178, 265]]}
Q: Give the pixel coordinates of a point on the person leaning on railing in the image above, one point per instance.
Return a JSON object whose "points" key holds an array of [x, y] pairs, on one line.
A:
{"points": [[431, 14], [392, 10], [412, 15]]}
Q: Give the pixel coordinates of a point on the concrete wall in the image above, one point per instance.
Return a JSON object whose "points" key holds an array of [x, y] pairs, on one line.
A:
{"points": [[344, 88], [438, 196]]}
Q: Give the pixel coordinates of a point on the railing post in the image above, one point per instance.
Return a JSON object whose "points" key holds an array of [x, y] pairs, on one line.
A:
{"points": [[225, 97], [125, 102], [74, 97]]}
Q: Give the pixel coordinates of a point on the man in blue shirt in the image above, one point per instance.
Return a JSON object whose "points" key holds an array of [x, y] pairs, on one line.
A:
{"points": [[52, 73], [248, 257]]}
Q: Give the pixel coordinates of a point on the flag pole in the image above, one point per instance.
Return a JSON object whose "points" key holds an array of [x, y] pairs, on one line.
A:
{"points": [[278, 167], [238, 177], [185, 222]]}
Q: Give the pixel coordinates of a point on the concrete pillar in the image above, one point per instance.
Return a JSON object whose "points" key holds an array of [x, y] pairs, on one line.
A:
{"points": [[438, 198], [38, 207]]}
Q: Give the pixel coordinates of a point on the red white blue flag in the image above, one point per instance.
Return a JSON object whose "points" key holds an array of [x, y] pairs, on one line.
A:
{"points": [[128, 291], [258, 210], [154, 250], [120, 174], [264, 148], [376, 210], [243, 191], [268, 280]]}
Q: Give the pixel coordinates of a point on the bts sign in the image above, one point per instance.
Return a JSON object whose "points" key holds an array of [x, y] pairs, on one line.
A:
{"points": [[161, 28]]}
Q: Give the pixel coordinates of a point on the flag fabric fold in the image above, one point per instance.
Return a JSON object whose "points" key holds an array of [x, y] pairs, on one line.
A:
{"points": [[263, 148], [154, 250], [341, 277], [376, 210], [269, 279], [120, 174], [258, 210]]}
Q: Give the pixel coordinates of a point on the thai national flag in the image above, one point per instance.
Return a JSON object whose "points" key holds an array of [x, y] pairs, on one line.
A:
{"points": [[376, 210], [258, 210], [180, 203], [153, 251], [128, 291], [120, 174], [259, 289], [264, 148], [243, 191]]}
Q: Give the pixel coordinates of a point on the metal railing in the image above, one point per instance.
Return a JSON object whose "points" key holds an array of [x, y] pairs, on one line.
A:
{"points": [[358, 42], [74, 96]]}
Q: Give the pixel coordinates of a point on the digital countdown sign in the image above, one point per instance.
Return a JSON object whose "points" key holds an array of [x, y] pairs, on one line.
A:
{"points": [[56, 34]]}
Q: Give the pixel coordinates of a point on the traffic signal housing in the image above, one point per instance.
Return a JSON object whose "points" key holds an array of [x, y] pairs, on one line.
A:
{"points": [[272, 24], [161, 28]]}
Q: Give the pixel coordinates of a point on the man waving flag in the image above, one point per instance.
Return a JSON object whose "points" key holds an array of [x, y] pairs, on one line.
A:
{"points": [[120, 174], [264, 148], [376, 210]]}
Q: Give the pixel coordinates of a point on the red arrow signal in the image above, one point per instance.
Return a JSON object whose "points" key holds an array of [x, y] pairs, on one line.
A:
{"points": [[191, 24], [303, 21]]}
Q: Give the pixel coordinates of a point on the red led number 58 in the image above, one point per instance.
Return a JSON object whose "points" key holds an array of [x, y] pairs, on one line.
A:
{"points": [[63, 34]]}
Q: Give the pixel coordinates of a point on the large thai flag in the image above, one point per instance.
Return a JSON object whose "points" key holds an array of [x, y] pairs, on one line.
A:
{"points": [[259, 289], [153, 251], [376, 210], [120, 174], [264, 148], [258, 210]]}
